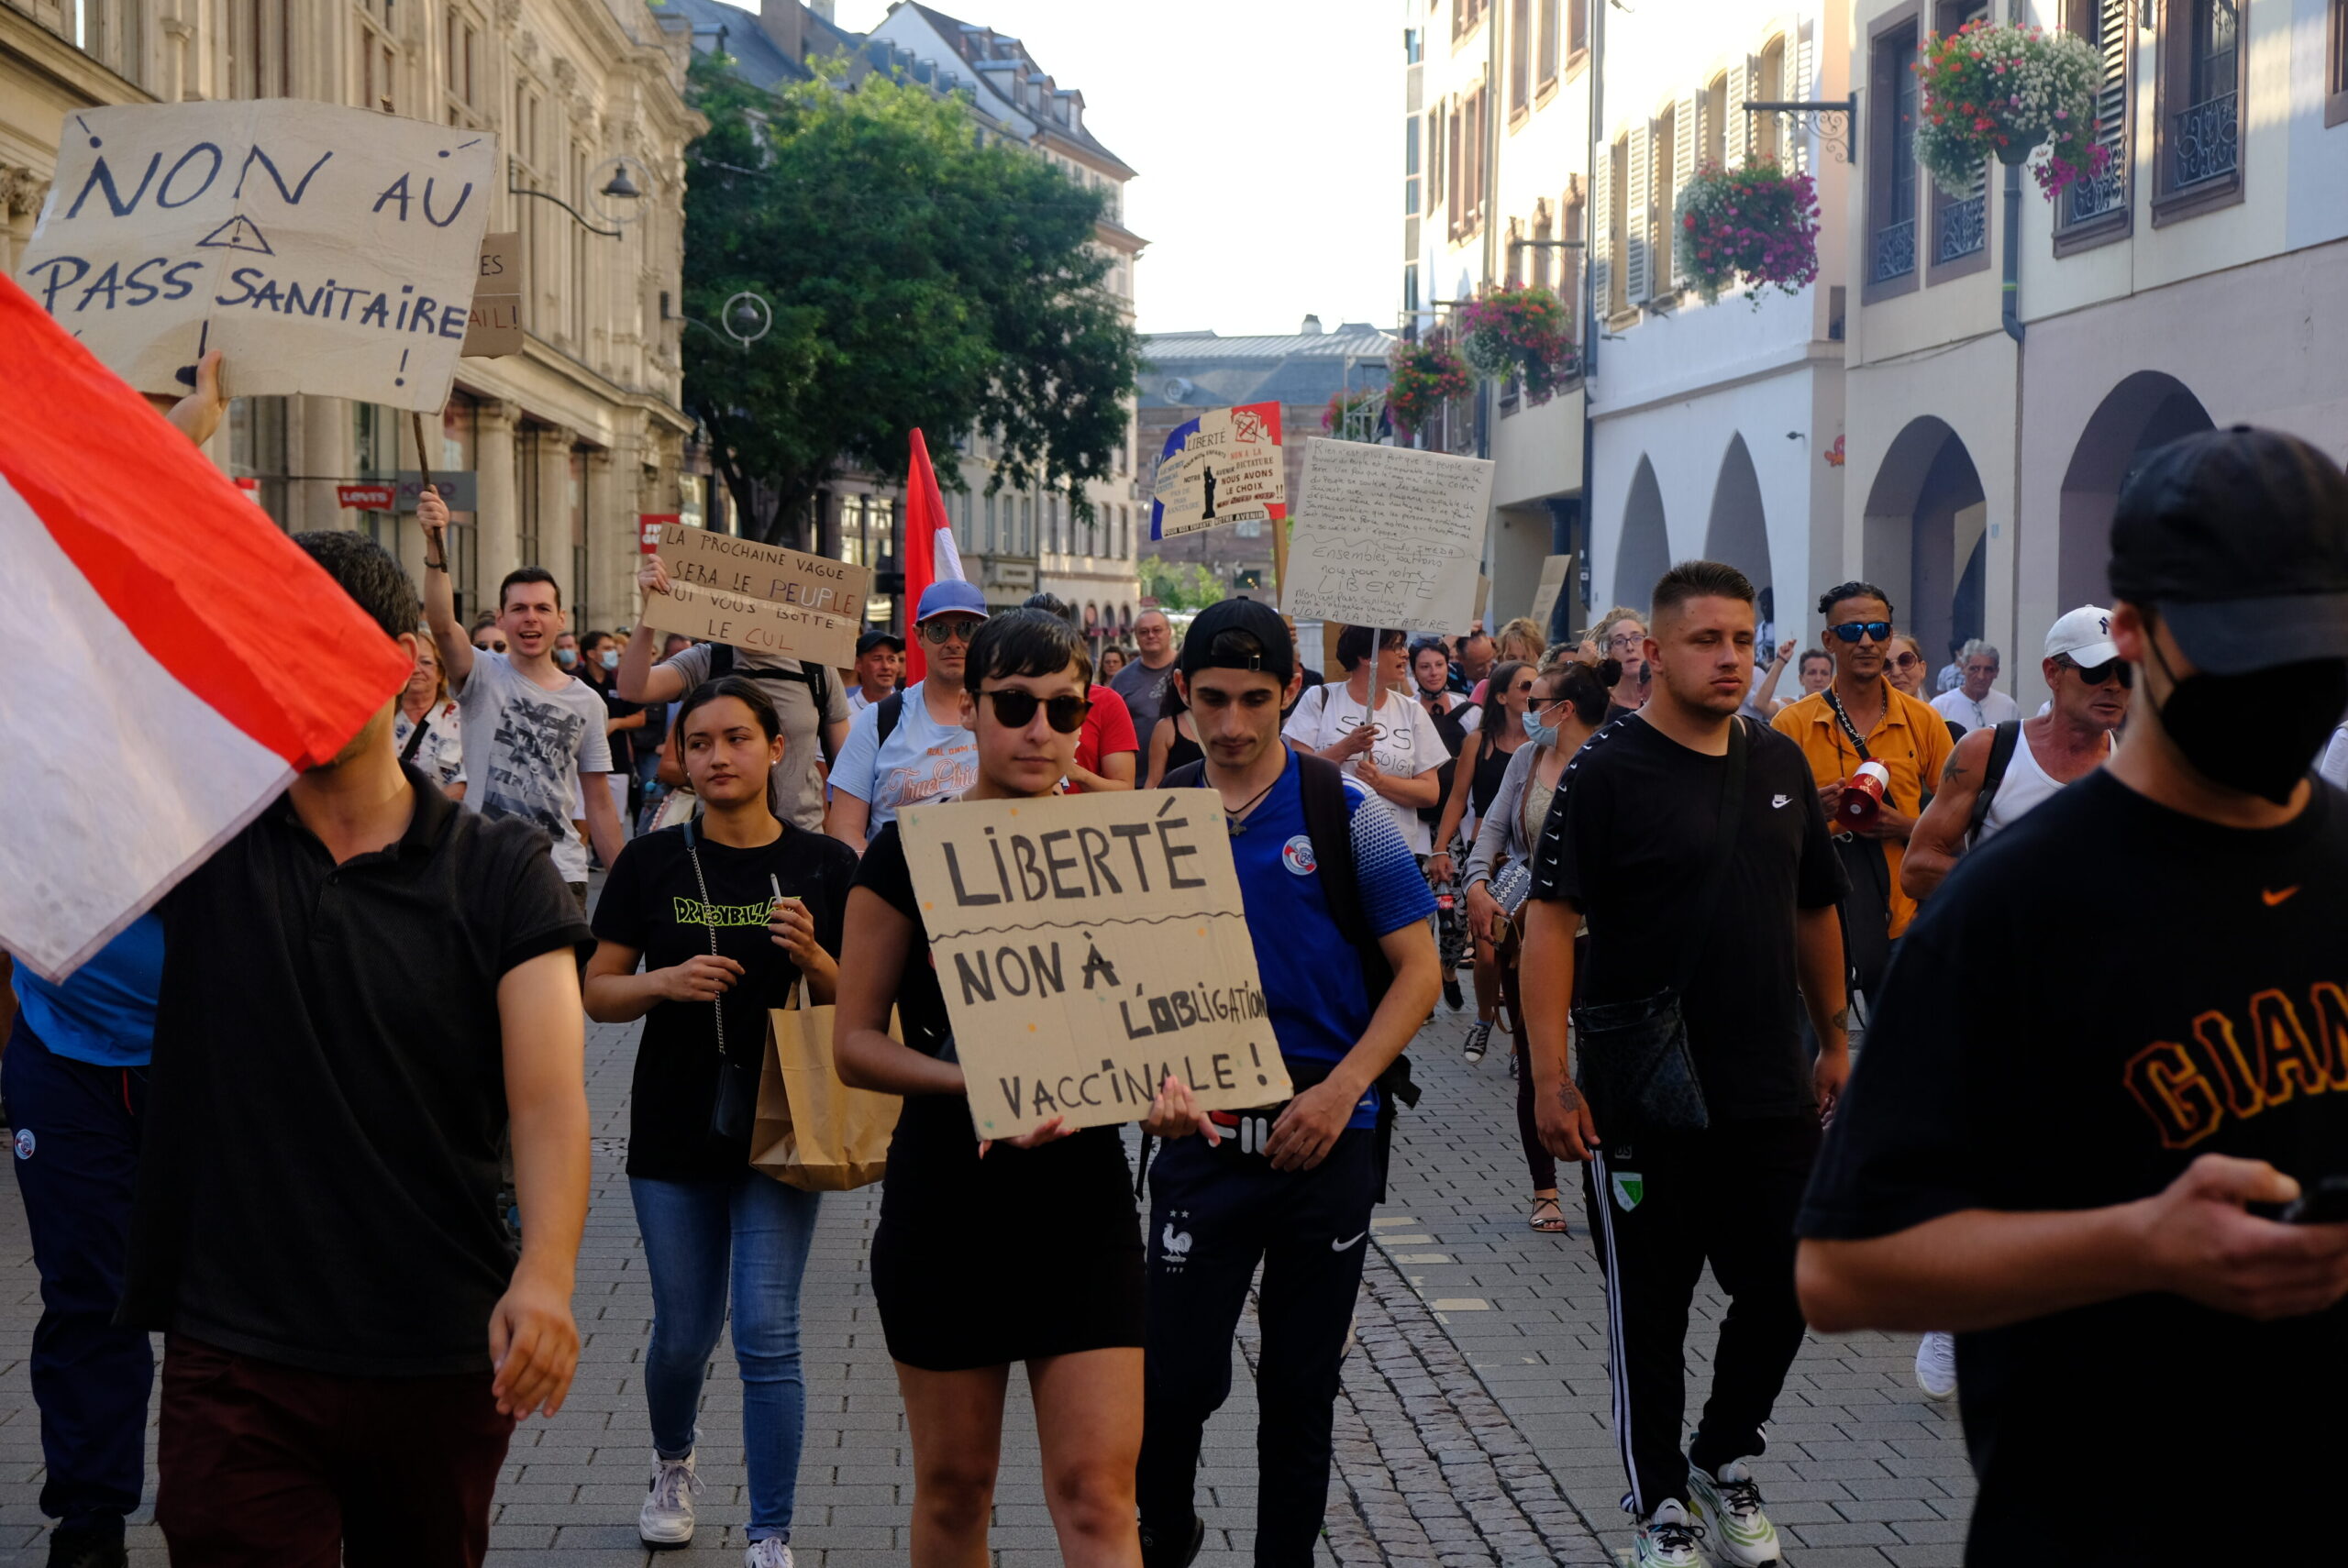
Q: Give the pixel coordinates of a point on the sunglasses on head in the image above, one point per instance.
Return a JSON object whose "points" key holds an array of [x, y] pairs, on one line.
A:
{"points": [[1014, 709], [1852, 631], [946, 629], [2109, 669]]}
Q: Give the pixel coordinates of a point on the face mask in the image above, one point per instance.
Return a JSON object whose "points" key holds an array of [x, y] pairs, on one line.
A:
{"points": [[1538, 732], [2255, 732], [609, 659], [565, 657]]}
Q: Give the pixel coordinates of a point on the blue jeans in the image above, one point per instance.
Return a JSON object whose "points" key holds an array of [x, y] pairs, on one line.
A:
{"points": [[696, 1234]]}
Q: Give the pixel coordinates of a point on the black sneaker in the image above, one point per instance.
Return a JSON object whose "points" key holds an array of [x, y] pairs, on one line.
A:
{"points": [[1169, 1553], [89, 1544], [1451, 997]]}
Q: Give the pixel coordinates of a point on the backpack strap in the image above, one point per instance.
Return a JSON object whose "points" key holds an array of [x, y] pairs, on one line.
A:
{"points": [[893, 708], [2003, 742], [721, 660], [1330, 825], [1189, 776]]}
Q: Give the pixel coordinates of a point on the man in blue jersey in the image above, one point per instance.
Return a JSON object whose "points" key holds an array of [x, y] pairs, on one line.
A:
{"points": [[1338, 913]]}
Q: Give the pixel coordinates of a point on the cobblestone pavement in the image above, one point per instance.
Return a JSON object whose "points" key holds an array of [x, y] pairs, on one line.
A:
{"points": [[1473, 1428]]}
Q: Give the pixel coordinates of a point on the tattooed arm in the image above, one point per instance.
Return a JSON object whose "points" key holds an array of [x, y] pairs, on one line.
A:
{"points": [[1938, 842], [1818, 935]]}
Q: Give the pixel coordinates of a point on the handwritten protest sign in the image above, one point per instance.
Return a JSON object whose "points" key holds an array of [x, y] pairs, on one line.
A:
{"points": [[495, 327], [1089, 945], [324, 250], [763, 597], [1387, 536], [1554, 570], [1222, 466]]}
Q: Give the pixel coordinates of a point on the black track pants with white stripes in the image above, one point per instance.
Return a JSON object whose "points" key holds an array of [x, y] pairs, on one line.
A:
{"points": [[1660, 1207]]}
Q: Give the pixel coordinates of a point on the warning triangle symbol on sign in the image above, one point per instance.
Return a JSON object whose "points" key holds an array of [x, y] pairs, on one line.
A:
{"points": [[236, 234]]}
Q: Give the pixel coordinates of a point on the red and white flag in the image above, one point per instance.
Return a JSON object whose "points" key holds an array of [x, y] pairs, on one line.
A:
{"points": [[930, 553], [172, 659]]}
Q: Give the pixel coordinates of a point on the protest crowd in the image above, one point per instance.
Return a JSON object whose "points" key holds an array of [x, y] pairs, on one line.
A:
{"points": [[1893, 1006]]}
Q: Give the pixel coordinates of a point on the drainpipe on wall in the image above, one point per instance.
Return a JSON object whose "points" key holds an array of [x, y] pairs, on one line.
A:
{"points": [[1595, 236], [2011, 309], [1495, 113]]}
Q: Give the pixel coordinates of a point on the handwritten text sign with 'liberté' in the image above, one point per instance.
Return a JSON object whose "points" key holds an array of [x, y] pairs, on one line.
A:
{"points": [[762, 597], [1229, 469], [1089, 945], [323, 249], [1387, 536]]}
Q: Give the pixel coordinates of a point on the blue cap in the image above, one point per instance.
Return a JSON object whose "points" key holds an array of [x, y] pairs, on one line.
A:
{"points": [[951, 597]]}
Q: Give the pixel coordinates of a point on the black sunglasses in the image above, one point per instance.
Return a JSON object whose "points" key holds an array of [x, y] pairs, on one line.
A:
{"points": [[1852, 631], [1014, 709], [2109, 669]]}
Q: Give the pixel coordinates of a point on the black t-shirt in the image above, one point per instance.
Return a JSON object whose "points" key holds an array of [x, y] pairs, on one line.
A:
{"points": [[1628, 839], [1075, 1192], [618, 707], [2100, 995], [318, 1184], [653, 903]]}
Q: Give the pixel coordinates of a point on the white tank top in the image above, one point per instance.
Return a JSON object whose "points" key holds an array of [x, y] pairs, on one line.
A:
{"points": [[2025, 787]]}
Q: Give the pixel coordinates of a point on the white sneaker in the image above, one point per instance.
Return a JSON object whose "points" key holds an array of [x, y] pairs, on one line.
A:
{"points": [[1668, 1539], [766, 1554], [1730, 1505], [667, 1516], [1936, 1365]]}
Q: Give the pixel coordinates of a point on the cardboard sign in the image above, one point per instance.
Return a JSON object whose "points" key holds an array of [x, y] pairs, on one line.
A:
{"points": [[762, 597], [1387, 536], [1088, 945], [324, 250], [1224, 467], [1554, 572], [366, 497], [648, 529], [495, 326]]}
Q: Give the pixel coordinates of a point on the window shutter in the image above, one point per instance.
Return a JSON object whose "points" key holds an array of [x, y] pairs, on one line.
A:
{"points": [[1800, 67], [1683, 168], [1638, 273], [1598, 227], [1732, 135], [2112, 96]]}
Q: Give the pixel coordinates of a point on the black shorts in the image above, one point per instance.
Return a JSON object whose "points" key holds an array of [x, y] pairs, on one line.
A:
{"points": [[953, 1300]]}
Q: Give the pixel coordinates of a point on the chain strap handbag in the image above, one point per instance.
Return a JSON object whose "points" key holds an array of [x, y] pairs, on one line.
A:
{"points": [[734, 1106]]}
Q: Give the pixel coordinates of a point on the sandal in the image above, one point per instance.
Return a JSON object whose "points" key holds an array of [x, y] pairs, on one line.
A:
{"points": [[1555, 1224]]}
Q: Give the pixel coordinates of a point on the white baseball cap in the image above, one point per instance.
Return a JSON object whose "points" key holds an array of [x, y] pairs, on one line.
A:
{"points": [[2084, 635]]}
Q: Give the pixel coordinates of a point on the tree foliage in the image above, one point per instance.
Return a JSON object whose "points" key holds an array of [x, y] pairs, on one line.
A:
{"points": [[1179, 585], [916, 278]]}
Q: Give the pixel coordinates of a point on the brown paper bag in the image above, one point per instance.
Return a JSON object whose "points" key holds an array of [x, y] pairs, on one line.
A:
{"points": [[812, 1131]]}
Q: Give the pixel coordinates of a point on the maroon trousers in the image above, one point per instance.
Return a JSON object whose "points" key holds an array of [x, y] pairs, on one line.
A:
{"points": [[262, 1463]]}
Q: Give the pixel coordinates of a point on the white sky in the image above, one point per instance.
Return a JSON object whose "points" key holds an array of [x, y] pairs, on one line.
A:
{"points": [[1268, 137]]}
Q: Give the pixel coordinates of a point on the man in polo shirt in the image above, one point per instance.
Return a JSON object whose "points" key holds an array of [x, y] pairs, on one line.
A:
{"points": [[360, 993], [926, 754], [1860, 717], [1291, 1186]]}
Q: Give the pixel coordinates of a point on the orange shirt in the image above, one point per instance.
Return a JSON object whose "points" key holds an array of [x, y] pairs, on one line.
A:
{"points": [[1912, 741]]}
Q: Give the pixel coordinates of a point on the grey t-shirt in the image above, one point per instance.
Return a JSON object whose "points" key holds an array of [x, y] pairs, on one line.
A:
{"points": [[799, 777], [524, 749], [1146, 692]]}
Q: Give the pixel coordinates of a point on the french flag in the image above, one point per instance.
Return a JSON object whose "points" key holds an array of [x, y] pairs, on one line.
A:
{"points": [[172, 659], [931, 555]]}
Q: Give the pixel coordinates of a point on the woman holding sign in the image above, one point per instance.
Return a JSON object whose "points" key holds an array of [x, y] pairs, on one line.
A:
{"points": [[726, 914], [1025, 1250]]}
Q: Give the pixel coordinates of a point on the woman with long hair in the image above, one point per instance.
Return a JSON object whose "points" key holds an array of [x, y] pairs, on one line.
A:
{"points": [[1173, 740], [426, 729], [1568, 703], [1024, 1249], [1483, 763], [1455, 719], [726, 914], [1112, 659]]}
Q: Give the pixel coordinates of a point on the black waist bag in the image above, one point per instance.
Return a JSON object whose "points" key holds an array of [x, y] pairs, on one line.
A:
{"points": [[1631, 1059]]}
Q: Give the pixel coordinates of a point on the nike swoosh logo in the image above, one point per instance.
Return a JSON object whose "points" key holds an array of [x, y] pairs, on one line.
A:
{"points": [[1341, 1247], [2273, 898]]}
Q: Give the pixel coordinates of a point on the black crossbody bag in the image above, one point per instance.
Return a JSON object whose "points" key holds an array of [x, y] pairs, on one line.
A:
{"points": [[1631, 1058], [734, 1106]]}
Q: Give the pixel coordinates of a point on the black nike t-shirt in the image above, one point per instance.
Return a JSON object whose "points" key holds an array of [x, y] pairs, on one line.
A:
{"points": [[2105, 992], [1628, 840], [653, 903]]}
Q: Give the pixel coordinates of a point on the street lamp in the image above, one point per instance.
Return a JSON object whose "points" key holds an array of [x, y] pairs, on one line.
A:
{"points": [[620, 188]]}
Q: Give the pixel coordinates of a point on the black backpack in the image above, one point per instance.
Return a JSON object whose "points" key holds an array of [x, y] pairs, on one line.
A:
{"points": [[814, 677]]}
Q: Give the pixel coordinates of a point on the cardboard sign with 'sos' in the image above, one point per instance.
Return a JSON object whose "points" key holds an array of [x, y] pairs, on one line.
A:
{"points": [[1088, 947]]}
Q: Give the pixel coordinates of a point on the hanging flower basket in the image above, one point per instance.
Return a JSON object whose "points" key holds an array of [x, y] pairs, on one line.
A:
{"points": [[1993, 90], [1421, 378], [1525, 332], [1754, 222], [1350, 411]]}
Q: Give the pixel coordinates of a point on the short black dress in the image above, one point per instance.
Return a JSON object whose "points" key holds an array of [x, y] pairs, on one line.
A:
{"points": [[1028, 1252]]}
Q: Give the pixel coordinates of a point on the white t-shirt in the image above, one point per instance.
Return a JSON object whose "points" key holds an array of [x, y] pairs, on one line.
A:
{"points": [[1959, 709], [923, 760], [1408, 744], [526, 749], [441, 753]]}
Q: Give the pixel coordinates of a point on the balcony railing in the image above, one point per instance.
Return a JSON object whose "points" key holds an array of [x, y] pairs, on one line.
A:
{"points": [[2106, 192], [1895, 251], [2207, 141], [1965, 228]]}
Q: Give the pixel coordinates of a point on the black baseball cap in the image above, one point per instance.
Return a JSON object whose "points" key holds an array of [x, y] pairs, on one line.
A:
{"points": [[1210, 644], [2238, 539], [870, 640]]}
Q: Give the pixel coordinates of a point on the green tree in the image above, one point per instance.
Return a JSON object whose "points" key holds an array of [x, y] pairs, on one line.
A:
{"points": [[1179, 585], [917, 279]]}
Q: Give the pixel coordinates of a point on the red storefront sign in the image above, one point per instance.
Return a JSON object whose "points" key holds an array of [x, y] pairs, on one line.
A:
{"points": [[649, 524], [366, 497]]}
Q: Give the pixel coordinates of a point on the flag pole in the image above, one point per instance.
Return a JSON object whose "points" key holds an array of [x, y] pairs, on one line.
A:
{"points": [[423, 463]]}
